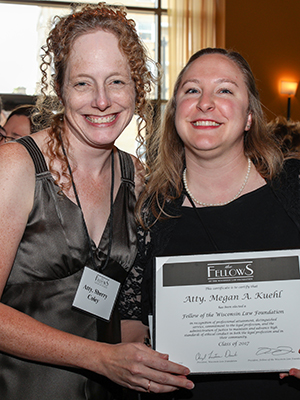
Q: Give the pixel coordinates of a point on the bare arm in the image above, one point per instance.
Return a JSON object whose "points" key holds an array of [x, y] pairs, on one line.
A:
{"points": [[131, 365]]}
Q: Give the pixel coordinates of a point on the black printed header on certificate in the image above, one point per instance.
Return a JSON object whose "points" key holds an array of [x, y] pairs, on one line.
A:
{"points": [[243, 270]]}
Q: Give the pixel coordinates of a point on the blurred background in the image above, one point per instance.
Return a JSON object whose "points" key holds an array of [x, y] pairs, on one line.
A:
{"points": [[265, 32]]}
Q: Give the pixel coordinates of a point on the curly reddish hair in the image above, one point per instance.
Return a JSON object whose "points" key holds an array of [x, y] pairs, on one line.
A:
{"points": [[66, 30]]}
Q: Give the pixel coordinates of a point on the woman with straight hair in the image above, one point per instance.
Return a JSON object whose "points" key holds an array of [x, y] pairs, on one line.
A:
{"points": [[217, 182]]}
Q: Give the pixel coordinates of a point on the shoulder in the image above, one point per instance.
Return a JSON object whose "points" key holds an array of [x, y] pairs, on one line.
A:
{"points": [[138, 170], [286, 185], [290, 170], [15, 161], [17, 181], [291, 164], [139, 174]]}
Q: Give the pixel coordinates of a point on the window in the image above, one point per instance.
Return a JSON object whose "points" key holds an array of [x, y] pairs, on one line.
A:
{"points": [[20, 53]]}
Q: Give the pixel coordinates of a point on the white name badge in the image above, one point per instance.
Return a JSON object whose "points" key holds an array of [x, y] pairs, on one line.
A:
{"points": [[96, 294]]}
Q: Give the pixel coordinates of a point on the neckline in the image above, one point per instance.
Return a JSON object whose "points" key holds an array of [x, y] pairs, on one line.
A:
{"points": [[243, 196], [236, 196]]}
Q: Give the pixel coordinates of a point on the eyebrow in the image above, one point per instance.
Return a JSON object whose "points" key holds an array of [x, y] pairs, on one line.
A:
{"points": [[220, 80], [226, 80], [190, 81]]}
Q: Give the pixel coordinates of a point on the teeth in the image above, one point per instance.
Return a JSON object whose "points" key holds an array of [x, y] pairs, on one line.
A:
{"points": [[205, 123], [101, 120]]}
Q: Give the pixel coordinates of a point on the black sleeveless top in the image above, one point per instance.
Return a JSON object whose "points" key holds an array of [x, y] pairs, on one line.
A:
{"points": [[44, 278], [255, 221]]}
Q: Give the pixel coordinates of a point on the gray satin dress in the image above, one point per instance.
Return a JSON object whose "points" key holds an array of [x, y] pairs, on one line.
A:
{"points": [[44, 279]]}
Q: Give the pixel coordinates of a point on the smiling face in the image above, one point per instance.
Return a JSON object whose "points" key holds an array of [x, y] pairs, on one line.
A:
{"points": [[212, 107], [98, 93]]}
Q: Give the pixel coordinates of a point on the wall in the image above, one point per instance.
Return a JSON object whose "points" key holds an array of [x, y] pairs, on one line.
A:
{"points": [[267, 34]]}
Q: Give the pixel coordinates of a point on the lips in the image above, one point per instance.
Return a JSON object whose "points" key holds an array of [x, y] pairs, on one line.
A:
{"points": [[102, 120], [205, 123]]}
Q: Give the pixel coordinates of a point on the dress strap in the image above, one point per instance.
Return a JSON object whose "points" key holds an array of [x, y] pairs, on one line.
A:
{"points": [[35, 153], [127, 167], [126, 163]]}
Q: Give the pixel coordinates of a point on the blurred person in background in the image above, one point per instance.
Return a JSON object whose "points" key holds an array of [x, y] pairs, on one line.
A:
{"points": [[3, 136], [18, 122], [287, 135]]}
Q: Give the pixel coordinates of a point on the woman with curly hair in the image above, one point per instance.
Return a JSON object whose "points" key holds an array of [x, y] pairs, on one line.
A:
{"points": [[70, 241]]}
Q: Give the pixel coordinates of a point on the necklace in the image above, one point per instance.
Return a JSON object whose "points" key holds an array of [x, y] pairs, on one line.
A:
{"points": [[218, 204]]}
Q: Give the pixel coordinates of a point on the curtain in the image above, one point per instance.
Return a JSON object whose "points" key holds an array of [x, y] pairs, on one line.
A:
{"points": [[193, 25]]}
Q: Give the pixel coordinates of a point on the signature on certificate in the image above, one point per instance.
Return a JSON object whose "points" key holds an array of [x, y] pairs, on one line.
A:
{"points": [[275, 351], [213, 355]]}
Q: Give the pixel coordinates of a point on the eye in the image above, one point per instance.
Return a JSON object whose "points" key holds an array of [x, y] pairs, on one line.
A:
{"points": [[117, 82], [192, 91], [225, 90], [80, 85]]}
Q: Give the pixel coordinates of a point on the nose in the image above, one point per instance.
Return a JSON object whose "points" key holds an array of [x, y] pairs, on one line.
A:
{"points": [[102, 98], [205, 102]]}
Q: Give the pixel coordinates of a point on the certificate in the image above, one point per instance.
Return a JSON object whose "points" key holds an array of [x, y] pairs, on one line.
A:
{"points": [[230, 312]]}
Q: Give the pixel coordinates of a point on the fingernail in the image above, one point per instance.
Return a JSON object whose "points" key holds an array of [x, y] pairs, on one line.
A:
{"points": [[190, 385]]}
